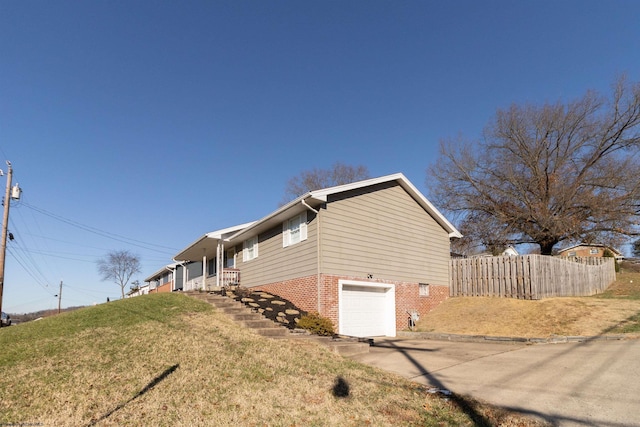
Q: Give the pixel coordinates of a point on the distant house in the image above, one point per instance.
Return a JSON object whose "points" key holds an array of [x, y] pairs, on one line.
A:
{"points": [[508, 251], [363, 254], [589, 250], [140, 290], [163, 280]]}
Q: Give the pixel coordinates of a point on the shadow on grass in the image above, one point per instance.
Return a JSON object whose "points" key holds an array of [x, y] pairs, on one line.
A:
{"points": [[341, 388], [148, 387]]}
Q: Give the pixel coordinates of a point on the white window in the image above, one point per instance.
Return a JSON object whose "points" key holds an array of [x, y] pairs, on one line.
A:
{"points": [[294, 230], [593, 251], [572, 253], [424, 289], [250, 249]]}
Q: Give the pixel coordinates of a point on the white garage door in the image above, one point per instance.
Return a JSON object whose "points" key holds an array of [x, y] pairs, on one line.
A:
{"points": [[367, 311]]}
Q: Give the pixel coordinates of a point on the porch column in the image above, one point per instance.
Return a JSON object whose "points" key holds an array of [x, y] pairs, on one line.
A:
{"points": [[218, 271], [204, 270]]}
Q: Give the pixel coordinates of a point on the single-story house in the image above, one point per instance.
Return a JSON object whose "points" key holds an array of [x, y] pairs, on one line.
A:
{"points": [[163, 280], [140, 290], [364, 255], [589, 250]]}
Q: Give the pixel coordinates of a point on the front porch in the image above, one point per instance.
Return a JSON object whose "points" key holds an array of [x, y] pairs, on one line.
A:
{"points": [[229, 277]]}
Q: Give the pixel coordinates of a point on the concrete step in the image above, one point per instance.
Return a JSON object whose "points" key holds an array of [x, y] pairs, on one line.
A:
{"points": [[257, 323], [271, 332], [246, 316], [348, 348]]}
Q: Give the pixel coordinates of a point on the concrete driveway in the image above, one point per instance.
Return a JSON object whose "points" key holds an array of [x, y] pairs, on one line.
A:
{"points": [[592, 383]]}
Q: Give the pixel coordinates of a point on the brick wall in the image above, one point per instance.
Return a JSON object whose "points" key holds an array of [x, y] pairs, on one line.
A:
{"points": [[164, 288], [303, 292]]}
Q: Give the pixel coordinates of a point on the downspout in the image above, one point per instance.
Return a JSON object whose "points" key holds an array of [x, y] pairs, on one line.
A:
{"points": [[318, 254]]}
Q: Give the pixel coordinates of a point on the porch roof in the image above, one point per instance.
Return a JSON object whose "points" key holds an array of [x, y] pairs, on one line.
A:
{"points": [[207, 244], [161, 272]]}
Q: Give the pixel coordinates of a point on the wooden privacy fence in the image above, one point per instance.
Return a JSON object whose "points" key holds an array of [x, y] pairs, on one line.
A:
{"points": [[530, 276]]}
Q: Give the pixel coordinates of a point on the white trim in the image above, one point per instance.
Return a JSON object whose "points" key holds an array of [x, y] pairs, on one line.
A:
{"points": [[390, 304], [286, 229], [250, 243]]}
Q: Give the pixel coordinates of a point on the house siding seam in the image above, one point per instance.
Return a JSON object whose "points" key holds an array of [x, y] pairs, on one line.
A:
{"points": [[303, 293]]}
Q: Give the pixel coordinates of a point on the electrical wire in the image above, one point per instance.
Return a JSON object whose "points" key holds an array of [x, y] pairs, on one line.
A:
{"points": [[102, 233]]}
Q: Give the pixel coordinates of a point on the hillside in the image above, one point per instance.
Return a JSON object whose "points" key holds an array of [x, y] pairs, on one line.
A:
{"points": [[167, 359]]}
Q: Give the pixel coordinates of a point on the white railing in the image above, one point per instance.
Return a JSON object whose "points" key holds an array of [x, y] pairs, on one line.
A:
{"points": [[230, 277]]}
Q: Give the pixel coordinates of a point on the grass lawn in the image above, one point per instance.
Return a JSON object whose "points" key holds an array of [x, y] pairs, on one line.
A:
{"points": [[167, 360], [615, 311]]}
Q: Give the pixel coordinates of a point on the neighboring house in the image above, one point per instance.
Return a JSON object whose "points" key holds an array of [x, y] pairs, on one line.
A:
{"points": [[509, 251], [589, 250], [140, 290], [163, 280], [363, 254]]}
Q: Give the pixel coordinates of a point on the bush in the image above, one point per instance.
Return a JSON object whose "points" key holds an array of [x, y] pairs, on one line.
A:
{"points": [[316, 324]]}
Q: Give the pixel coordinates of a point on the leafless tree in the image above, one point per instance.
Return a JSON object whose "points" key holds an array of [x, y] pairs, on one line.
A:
{"points": [[119, 266], [316, 179], [547, 174]]}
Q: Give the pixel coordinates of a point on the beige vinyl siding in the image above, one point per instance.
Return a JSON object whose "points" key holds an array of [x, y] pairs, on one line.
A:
{"points": [[385, 233], [275, 263]]}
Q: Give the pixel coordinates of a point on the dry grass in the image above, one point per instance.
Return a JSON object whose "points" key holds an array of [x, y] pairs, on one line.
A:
{"points": [[589, 316], [169, 360]]}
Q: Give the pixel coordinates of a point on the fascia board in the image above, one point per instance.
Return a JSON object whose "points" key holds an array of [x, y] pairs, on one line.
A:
{"points": [[272, 217]]}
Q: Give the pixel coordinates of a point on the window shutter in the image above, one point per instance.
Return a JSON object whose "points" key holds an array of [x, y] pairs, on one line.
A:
{"points": [[303, 226], [285, 234]]}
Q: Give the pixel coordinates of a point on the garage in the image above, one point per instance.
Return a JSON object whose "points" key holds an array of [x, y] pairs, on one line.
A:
{"points": [[366, 309]]}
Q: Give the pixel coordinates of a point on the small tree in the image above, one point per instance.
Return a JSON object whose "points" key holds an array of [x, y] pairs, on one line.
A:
{"points": [[119, 266], [635, 248], [316, 179]]}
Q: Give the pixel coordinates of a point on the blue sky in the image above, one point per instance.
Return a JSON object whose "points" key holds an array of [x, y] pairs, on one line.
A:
{"points": [[142, 125]]}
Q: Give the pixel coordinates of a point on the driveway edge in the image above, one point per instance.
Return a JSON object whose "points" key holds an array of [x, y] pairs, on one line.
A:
{"points": [[554, 339]]}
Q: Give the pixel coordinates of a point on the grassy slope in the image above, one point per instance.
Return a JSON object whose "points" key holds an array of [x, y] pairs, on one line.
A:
{"points": [[615, 311], [167, 359]]}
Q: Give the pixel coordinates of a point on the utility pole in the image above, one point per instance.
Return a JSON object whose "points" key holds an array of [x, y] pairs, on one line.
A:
{"points": [[5, 221], [60, 297]]}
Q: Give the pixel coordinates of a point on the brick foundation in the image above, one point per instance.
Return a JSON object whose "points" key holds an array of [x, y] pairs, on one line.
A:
{"points": [[303, 292]]}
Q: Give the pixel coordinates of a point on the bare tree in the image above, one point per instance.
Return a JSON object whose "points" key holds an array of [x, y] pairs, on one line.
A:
{"points": [[316, 179], [547, 174], [119, 266]]}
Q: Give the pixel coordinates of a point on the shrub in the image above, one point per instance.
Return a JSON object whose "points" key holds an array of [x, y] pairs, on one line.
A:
{"points": [[316, 324]]}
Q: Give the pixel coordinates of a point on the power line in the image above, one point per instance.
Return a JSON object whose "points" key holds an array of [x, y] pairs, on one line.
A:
{"points": [[29, 272], [102, 233]]}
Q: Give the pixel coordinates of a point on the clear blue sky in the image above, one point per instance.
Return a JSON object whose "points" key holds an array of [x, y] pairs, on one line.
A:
{"points": [[142, 125]]}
